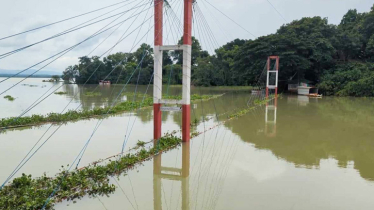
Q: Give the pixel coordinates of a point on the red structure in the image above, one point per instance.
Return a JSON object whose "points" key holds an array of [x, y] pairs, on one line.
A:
{"points": [[159, 5], [269, 71], [187, 41], [271, 106], [157, 84]]}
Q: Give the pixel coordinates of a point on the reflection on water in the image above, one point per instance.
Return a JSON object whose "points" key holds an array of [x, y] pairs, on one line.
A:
{"points": [[339, 128], [174, 174], [271, 118], [294, 153]]}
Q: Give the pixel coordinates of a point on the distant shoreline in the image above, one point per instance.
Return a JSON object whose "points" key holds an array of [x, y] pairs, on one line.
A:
{"points": [[24, 76]]}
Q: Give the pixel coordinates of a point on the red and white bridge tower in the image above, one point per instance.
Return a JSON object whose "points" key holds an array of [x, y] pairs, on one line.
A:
{"points": [[271, 105], [157, 85]]}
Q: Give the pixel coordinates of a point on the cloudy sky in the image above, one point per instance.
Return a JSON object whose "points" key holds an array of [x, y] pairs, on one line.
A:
{"points": [[211, 27]]}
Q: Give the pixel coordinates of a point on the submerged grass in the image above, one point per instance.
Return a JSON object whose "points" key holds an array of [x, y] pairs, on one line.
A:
{"points": [[9, 98], [27, 192], [92, 94], [84, 114]]}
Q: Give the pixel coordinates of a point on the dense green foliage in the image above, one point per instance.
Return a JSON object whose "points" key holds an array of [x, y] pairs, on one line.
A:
{"points": [[84, 114], [309, 48], [351, 79], [56, 78], [61, 93]]}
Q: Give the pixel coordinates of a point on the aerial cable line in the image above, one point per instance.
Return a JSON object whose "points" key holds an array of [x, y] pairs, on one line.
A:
{"points": [[75, 28], [230, 19], [216, 21], [206, 29], [137, 82], [94, 131], [127, 136], [64, 52], [68, 48], [210, 32], [60, 21], [277, 11], [177, 23], [119, 185], [112, 33], [108, 51], [31, 106], [203, 20], [133, 46], [42, 144], [20, 166], [206, 25], [101, 120]]}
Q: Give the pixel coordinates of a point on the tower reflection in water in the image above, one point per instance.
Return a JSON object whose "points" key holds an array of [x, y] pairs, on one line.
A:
{"points": [[271, 118], [173, 174]]}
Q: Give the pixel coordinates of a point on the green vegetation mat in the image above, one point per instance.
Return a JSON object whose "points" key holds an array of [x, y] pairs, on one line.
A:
{"points": [[9, 98], [84, 114], [27, 192]]}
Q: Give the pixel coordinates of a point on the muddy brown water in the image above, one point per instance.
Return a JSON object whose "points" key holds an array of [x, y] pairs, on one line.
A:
{"points": [[311, 154]]}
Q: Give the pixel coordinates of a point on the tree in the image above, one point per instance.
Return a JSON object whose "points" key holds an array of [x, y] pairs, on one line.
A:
{"points": [[370, 48], [203, 72], [70, 73], [196, 52], [56, 78]]}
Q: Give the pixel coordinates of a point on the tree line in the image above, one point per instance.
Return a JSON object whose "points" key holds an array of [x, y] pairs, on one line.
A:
{"points": [[337, 58]]}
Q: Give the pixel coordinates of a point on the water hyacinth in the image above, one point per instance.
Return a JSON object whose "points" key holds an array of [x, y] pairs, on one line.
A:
{"points": [[27, 192], [9, 98], [84, 114]]}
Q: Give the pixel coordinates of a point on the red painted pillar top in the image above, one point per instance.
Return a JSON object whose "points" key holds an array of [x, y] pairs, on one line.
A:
{"points": [[159, 5], [187, 36]]}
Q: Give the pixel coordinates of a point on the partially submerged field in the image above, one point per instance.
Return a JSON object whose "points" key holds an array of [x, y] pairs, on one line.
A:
{"points": [[27, 192], [71, 115]]}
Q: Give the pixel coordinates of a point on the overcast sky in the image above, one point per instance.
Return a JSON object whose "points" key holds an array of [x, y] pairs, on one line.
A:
{"points": [[256, 16]]}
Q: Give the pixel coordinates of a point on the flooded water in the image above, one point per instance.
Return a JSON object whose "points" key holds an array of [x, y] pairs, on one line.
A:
{"points": [[304, 154]]}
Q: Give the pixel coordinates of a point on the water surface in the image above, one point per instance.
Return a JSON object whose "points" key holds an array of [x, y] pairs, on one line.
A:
{"points": [[310, 154]]}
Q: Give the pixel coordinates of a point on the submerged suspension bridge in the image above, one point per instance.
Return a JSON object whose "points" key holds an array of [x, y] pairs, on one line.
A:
{"points": [[169, 20]]}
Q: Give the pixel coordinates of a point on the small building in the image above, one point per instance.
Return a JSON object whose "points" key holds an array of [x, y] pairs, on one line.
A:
{"points": [[302, 87]]}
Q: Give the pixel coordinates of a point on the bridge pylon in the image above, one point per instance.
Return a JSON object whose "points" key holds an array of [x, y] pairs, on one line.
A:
{"points": [[272, 84], [271, 106], [186, 84]]}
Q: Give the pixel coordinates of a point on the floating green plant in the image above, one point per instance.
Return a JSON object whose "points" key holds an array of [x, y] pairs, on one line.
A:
{"points": [[92, 94], [140, 143], [9, 98], [61, 93], [84, 114]]}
